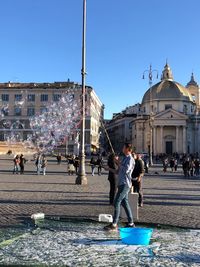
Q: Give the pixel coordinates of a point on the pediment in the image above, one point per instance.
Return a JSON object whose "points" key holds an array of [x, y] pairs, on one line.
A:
{"points": [[171, 114]]}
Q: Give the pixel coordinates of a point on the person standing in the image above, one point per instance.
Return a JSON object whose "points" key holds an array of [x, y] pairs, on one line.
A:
{"points": [[38, 163], [76, 164], [175, 165], [137, 176], [99, 163], [112, 177], [172, 164], [59, 158], [124, 171], [196, 163], [165, 164], [44, 164], [16, 161], [71, 168], [22, 163], [93, 165]]}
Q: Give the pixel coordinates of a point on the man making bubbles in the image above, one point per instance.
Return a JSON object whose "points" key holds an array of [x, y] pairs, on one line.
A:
{"points": [[124, 172]]}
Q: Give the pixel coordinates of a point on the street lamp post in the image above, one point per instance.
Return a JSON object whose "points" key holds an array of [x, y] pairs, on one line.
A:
{"points": [[81, 178], [150, 74]]}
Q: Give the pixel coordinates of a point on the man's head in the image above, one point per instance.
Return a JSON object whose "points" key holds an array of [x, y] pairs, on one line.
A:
{"points": [[127, 149]]}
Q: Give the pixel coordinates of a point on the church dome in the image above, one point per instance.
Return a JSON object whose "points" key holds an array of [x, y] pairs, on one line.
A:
{"points": [[167, 89]]}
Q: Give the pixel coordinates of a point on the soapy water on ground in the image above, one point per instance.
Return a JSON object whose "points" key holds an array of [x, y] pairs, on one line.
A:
{"points": [[87, 244]]}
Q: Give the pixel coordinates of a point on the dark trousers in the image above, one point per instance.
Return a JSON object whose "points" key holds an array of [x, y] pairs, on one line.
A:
{"points": [[76, 168], [21, 169], [138, 189], [99, 170], [113, 190]]}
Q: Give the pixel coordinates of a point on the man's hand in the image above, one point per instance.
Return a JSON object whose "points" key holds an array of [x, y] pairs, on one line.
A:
{"points": [[139, 178]]}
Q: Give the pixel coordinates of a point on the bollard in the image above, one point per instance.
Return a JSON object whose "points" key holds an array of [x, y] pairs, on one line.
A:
{"points": [[133, 201]]}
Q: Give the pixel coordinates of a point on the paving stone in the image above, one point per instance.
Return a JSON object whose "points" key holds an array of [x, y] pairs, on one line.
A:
{"points": [[169, 198]]}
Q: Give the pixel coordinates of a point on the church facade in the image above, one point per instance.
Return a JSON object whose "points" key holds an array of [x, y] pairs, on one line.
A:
{"points": [[169, 118]]}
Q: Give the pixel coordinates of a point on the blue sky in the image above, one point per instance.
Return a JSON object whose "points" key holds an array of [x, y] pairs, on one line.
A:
{"points": [[41, 41]]}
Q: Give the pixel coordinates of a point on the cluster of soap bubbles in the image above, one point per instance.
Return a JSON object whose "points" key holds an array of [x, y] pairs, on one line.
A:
{"points": [[59, 120], [14, 133], [13, 129], [3, 109]]}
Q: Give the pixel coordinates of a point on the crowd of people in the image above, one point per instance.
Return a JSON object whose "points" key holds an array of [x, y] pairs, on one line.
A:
{"points": [[190, 164]]}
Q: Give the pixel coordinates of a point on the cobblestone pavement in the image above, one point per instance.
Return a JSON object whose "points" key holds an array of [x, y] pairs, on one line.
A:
{"points": [[170, 198]]}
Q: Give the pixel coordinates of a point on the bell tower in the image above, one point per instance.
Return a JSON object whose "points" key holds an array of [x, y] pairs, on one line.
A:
{"points": [[167, 73], [194, 90]]}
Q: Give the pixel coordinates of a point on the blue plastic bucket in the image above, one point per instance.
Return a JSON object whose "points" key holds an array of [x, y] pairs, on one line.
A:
{"points": [[136, 236]]}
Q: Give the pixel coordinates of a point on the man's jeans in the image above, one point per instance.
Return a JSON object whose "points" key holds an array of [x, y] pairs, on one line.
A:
{"points": [[122, 199]]}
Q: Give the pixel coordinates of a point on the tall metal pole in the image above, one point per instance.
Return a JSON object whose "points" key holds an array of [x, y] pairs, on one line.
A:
{"points": [[81, 178], [150, 118], [150, 77]]}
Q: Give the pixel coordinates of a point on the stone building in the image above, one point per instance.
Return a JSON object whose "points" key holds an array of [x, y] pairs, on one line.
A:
{"points": [[169, 114], [20, 101], [119, 128]]}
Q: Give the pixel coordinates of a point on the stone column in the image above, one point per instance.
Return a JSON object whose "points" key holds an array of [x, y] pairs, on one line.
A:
{"points": [[177, 138], [184, 139], [154, 140], [161, 139]]}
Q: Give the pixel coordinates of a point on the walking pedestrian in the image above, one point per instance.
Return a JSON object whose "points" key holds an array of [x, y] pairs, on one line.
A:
{"points": [[124, 185]]}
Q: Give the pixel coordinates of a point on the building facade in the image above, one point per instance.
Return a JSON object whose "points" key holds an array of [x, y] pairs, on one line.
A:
{"points": [[20, 101], [119, 128], [169, 117]]}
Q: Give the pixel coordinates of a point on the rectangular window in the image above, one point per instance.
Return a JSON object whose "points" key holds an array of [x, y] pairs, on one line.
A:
{"points": [[168, 106], [5, 111], [185, 110], [18, 111], [18, 97], [44, 98], [56, 97], [31, 98], [43, 110], [30, 111], [5, 97]]}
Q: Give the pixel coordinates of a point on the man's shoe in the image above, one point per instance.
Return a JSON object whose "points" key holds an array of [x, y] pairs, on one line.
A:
{"points": [[140, 205], [111, 228], [130, 225]]}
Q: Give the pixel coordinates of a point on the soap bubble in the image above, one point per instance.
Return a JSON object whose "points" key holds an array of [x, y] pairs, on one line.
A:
{"points": [[57, 121]]}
